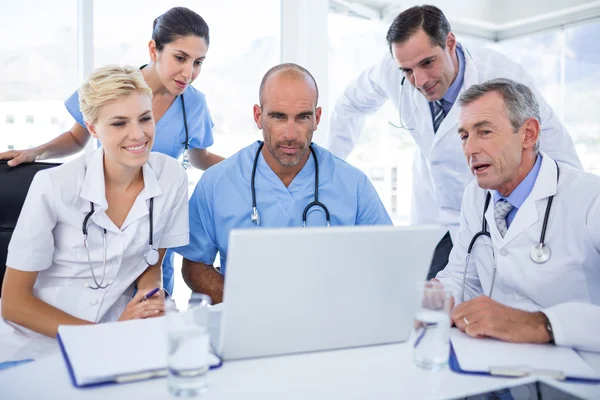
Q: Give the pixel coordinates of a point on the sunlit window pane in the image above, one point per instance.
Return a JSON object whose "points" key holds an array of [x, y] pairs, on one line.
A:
{"points": [[581, 96], [38, 55]]}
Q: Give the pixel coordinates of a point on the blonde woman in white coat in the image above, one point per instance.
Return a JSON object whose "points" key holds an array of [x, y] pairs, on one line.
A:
{"points": [[54, 277]]}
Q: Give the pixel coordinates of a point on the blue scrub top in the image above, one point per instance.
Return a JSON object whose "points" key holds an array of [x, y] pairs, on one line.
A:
{"points": [[170, 130], [222, 200], [169, 138]]}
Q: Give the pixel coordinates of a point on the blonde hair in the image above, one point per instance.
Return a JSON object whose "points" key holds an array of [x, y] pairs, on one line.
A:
{"points": [[106, 84]]}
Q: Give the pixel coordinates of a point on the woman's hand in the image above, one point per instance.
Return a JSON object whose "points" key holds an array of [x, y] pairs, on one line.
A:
{"points": [[17, 157], [137, 309]]}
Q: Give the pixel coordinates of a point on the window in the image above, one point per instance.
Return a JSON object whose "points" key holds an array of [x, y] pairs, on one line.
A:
{"points": [[580, 97], [565, 65], [39, 70], [540, 55], [354, 45]]}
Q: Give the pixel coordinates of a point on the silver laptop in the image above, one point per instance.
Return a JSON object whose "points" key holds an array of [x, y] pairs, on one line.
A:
{"points": [[309, 289]]}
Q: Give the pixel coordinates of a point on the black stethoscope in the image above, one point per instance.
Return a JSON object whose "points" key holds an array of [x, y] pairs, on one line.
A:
{"points": [[316, 203], [151, 256], [185, 161], [540, 253]]}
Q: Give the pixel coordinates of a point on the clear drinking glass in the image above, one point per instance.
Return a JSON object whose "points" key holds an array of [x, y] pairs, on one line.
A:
{"points": [[189, 345], [432, 326]]}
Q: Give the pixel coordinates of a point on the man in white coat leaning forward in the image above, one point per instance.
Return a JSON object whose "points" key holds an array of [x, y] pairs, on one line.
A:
{"points": [[423, 73], [531, 295]]}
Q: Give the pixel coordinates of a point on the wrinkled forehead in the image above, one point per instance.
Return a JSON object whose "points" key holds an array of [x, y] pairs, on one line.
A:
{"points": [[489, 108]]}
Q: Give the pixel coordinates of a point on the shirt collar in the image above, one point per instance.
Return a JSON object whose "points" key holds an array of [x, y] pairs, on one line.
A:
{"points": [[93, 185], [517, 197], [454, 89], [151, 185]]}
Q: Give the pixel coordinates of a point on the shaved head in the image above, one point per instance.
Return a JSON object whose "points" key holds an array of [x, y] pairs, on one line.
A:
{"points": [[287, 70], [288, 115]]}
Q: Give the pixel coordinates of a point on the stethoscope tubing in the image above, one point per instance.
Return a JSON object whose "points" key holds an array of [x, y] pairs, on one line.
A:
{"points": [[485, 232], [151, 254], [255, 217]]}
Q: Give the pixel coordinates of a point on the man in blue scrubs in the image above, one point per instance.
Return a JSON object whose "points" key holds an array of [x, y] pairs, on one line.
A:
{"points": [[284, 181]]}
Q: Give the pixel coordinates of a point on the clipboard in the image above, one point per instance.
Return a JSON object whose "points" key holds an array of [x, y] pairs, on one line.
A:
{"points": [[515, 372], [123, 378], [82, 371]]}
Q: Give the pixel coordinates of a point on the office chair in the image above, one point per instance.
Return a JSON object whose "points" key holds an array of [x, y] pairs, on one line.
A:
{"points": [[14, 184]]}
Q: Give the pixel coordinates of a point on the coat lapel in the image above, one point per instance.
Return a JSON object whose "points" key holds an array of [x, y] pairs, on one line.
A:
{"points": [[92, 191], [534, 207], [141, 206], [450, 121]]}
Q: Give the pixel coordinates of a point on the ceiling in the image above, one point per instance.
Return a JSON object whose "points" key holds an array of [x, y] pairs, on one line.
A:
{"points": [[489, 19]]}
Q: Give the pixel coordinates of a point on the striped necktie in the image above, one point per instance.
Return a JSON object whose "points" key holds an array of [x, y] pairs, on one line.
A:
{"points": [[438, 115]]}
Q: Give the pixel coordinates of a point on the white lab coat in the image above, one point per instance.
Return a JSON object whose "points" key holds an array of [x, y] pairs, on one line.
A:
{"points": [[440, 172], [48, 238], [567, 287]]}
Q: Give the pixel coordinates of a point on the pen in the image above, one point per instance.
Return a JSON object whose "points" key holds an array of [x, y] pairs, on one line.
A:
{"points": [[8, 364], [149, 294]]}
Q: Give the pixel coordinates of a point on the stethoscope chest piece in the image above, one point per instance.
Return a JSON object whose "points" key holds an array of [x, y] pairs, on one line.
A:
{"points": [[185, 161], [540, 253], [255, 217], [151, 257]]}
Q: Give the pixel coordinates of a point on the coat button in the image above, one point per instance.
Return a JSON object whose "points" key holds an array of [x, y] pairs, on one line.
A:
{"points": [[93, 302], [504, 252]]}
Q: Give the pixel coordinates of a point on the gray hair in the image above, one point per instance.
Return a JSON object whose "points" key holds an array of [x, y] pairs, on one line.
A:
{"points": [[519, 101]]}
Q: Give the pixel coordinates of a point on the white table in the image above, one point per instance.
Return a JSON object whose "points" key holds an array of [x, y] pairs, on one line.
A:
{"points": [[378, 372]]}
